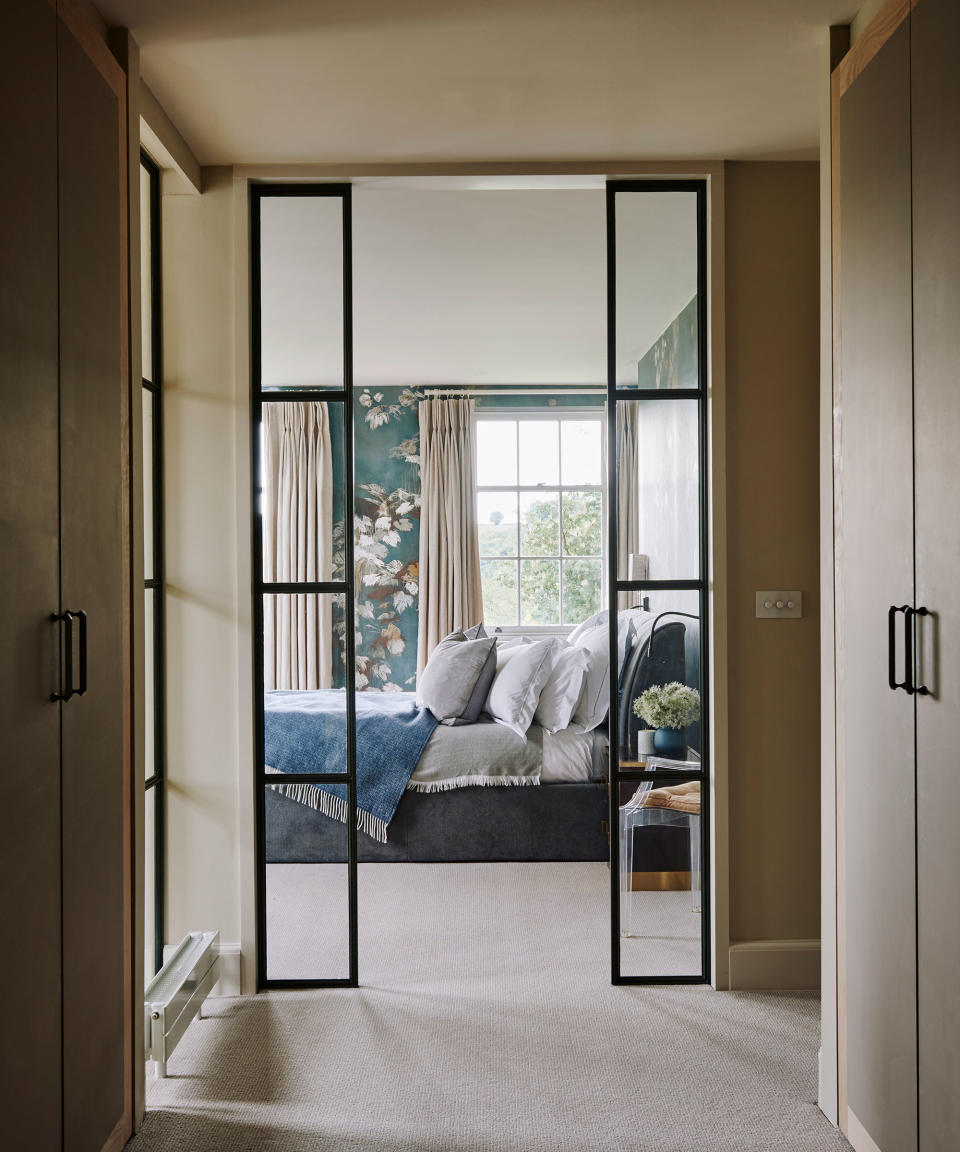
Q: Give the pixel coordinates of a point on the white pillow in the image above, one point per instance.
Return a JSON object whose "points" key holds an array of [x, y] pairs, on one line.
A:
{"points": [[561, 693], [626, 627], [522, 671], [594, 701]]}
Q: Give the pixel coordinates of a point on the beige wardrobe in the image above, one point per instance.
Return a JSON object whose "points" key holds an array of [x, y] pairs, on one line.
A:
{"points": [[896, 229], [66, 995]]}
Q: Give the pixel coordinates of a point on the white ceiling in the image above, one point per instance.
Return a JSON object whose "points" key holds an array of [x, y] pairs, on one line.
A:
{"points": [[358, 81]]}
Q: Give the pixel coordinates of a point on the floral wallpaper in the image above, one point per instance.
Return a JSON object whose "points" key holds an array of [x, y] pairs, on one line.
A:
{"points": [[387, 541], [672, 360]]}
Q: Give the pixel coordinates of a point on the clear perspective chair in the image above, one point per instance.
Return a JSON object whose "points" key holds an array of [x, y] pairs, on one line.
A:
{"points": [[676, 806]]}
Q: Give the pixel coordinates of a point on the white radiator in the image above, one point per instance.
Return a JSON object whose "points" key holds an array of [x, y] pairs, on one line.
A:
{"points": [[176, 994]]}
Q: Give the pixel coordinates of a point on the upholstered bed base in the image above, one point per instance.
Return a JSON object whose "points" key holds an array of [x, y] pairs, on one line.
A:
{"points": [[551, 822]]}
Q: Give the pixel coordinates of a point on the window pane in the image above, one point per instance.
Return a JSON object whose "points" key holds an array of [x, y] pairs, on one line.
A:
{"points": [[496, 452], [146, 279], [301, 291], [539, 452], [148, 492], [301, 442], [149, 684], [660, 878], [581, 444], [149, 886], [582, 523], [656, 241], [582, 583], [539, 524], [539, 591], [304, 647], [658, 477], [497, 520], [499, 580]]}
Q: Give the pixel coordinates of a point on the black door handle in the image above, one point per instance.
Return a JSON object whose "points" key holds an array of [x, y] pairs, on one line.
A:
{"points": [[66, 690], [921, 689], [906, 684], [82, 617]]}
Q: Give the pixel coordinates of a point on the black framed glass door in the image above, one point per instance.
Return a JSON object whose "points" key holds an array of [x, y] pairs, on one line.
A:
{"points": [[303, 587], [657, 437]]}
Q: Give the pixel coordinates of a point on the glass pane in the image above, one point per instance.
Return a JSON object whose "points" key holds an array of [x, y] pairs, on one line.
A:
{"points": [[658, 480], [307, 922], [301, 292], [664, 647], [497, 520], [656, 249], [496, 452], [582, 586], [539, 452], [149, 684], [539, 591], [499, 581], [539, 524], [148, 488], [302, 497], [149, 886], [581, 451], [661, 918], [582, 523], [146, 279], [304, 652]]}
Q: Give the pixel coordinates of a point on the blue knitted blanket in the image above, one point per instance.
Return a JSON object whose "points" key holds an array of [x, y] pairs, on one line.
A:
{"points": [[307, 732]]}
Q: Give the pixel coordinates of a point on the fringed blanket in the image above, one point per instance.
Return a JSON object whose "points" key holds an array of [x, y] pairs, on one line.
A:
{"points": [[306, 732]]}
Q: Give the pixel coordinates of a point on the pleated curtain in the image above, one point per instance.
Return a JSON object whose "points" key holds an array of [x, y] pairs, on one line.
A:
{"points": [[450, 591], [628, 493], [297, 543]]}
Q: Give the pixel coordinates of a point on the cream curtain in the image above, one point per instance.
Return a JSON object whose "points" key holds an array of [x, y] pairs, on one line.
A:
{"points": [[450, 592], [297, 543], [628, 493]]}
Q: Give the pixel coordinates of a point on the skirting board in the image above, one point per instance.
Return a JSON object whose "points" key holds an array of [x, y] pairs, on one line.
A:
{"points": [[229, 982], [774, 965]]}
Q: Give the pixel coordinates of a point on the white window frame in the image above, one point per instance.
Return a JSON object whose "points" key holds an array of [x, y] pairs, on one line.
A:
{"points": [[527, 416]]}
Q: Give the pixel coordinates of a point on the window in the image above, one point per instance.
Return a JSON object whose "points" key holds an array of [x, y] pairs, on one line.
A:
{"points": [[540, 517]]}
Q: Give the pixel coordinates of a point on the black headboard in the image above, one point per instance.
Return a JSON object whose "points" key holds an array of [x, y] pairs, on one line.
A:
{"points": [[671, 652]]}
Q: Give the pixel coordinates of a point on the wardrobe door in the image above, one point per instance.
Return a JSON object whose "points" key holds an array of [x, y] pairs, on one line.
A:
{"points": [[875, 572], [29, 582], [93, 457], [935, 36]]}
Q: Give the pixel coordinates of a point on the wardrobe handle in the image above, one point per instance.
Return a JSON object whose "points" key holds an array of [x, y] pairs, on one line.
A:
{"points": [[67, 664], [922, 689], [892, 648], [82, 617], [907, 684]]}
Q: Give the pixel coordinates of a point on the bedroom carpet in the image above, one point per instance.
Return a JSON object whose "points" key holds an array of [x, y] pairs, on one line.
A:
{"points": [[486, 1022]]}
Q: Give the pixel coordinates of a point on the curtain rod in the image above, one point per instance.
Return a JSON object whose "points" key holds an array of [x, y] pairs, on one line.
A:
{"points": [[543, 390]]}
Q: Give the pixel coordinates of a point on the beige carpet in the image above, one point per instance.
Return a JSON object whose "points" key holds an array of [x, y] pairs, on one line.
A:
{"points": [[487, 1022]]}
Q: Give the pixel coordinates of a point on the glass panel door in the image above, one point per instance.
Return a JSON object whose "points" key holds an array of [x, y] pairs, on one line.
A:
{"points": [[304, 667], [659, 706]]}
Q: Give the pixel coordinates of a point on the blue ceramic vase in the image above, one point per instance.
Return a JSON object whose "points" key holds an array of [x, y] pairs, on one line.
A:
{"points": [[670, 743]]}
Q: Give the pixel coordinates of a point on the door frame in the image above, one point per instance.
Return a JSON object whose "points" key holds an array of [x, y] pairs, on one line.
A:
{"points": [[246, 177]]}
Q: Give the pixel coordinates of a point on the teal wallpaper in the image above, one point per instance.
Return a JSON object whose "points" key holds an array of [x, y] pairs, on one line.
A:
{"points": [[671, 362]]}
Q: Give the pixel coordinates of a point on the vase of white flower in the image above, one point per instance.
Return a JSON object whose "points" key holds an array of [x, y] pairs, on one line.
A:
{"points": [[669, 708]]}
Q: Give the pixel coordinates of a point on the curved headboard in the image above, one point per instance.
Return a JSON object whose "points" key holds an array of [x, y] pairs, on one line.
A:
{"points": [[671, 652]]}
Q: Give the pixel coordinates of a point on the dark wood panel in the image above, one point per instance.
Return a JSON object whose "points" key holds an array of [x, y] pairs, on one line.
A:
{"points": [[93, 457], [935, 44], [29, 578], [875, 570]]}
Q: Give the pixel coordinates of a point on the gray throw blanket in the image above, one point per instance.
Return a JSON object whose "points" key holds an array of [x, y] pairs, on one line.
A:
{"points": [[306, 732]]}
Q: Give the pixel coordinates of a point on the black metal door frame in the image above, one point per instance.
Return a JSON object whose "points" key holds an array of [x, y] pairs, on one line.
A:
{"points": [[615, 585], [344, 587]]}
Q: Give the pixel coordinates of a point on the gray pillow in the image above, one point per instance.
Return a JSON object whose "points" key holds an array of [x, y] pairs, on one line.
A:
{"points": [[477, 632], [457, 678]]}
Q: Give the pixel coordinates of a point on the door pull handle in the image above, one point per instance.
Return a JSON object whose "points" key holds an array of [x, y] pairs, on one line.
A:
{"points": [[907, 684], [66, 664], [921, 689]]}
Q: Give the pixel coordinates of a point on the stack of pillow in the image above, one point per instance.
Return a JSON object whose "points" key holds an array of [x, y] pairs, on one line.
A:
{"points": [[559, 683]]}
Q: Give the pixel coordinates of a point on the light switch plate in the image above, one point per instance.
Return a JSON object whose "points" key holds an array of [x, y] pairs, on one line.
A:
{"points": [[779, 605]]}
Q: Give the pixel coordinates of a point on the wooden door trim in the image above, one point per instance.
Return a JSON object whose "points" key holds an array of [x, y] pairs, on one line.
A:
{"points": [[874, 37]]}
